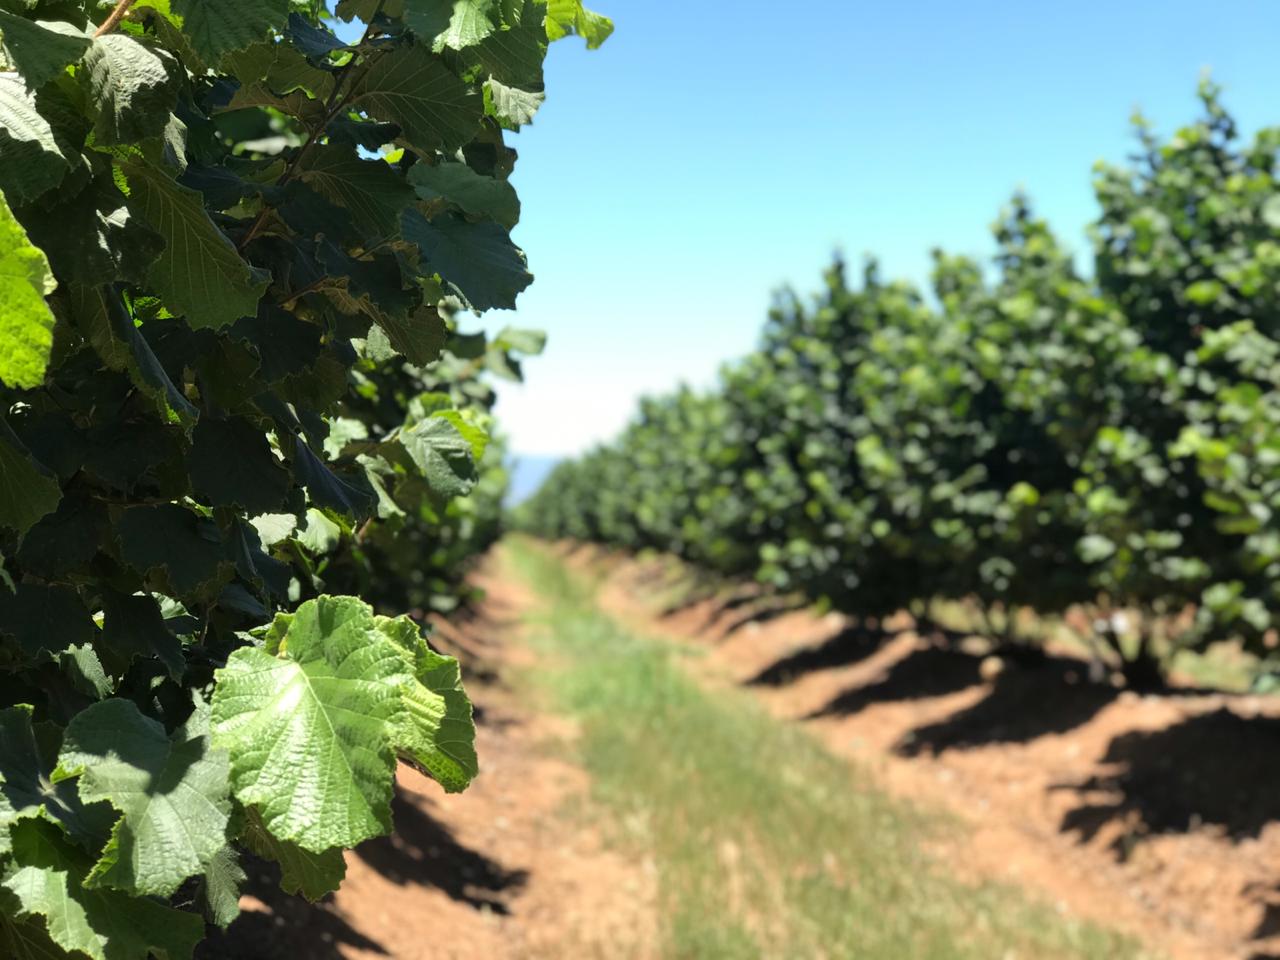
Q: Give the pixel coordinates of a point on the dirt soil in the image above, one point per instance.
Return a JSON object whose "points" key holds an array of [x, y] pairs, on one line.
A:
{"points": [[1158, 815], [501, 871]]}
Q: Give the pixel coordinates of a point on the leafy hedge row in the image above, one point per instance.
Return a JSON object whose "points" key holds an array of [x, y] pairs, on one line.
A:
{"points": [[1026, 436], [237, 251]]}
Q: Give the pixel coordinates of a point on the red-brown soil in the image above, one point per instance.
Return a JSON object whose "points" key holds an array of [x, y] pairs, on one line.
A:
{"points": [[1158, 815]]}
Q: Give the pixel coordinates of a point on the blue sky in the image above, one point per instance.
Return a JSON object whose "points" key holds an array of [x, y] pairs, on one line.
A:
{"points": [[714, 150]]}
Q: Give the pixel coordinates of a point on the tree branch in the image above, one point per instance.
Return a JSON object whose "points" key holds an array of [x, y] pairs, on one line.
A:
{"points": [[113, 21]]}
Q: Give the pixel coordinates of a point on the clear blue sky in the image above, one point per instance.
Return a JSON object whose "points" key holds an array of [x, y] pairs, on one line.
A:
{"points": [[714, 150]]}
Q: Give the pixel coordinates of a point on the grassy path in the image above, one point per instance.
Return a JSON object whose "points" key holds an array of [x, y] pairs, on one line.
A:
{"points": [[765, 845]]}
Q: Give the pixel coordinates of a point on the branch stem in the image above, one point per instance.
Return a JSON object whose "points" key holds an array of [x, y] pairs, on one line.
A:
{"points": [[113, 21]]}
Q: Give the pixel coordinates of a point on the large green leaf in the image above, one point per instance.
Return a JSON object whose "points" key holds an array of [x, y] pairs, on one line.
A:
{"points": [[91, 237], [46, 879], [314, 875], [374, 192], [26, 323], [444, 452], [419, 336], [232, 464], [171, 793], [34, 157], [514, 55], [472, 192], [133, 87], [104, 320], [437, 732], [26, 788], [565, 17], [433, 107], [200, 274], [179, 547], [27, 490], [40, 49], [133, 626], [45, 618], [308, 730], [216, 27], [314, 719], [451, 23], [478, 259]]}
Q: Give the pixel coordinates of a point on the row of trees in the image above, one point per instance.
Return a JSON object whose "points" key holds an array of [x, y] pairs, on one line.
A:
{"points": [[244, 434], [1028, 436]]}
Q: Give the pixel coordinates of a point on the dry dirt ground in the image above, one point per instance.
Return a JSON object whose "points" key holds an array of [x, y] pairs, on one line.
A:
{"points": [[501, 872], [1158, 815]]}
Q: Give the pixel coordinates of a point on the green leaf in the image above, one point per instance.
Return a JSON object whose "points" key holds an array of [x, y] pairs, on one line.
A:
{"points": [[34, 157], [171, 794], [514, 55], [437, 733], [105, 322], [26, 790], [454, 24], [216, 27], [232, 464], [372, 190], [313, 41], [471, 192], [434, 109], [133, 88], [274, 528], [419, 337], [46, 879], [478, 259], [26, 323], [84, 671], [309, 730], [182, 549], [282, 68], [314, 875], [45, 618], [349, 495], [92, 237], [200, 274], [40, 49], [444, 455], [510, 106], [133, 627], [27, 940], [319, 534], [565, 17], [28, 491], [219, 894], [529, 342]]}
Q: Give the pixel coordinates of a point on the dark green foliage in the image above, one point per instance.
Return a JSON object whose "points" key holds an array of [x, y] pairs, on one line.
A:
{"points": [[1039, 439], [232, 383]]}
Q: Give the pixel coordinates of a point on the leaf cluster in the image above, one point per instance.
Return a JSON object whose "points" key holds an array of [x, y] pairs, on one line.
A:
{"points": [[240, 242]]}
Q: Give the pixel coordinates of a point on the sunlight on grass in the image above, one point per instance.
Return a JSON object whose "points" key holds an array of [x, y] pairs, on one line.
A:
{"points": [[766, 845]]}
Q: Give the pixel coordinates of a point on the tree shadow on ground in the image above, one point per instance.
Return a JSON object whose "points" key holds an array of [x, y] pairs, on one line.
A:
{"points": [[422, 852], [1213, 769], [290, 929], [1051, 695], [923, 673], [850, 645], [758, 614]]}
